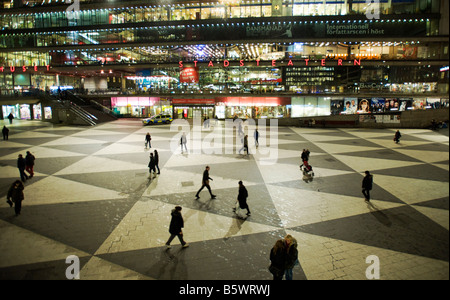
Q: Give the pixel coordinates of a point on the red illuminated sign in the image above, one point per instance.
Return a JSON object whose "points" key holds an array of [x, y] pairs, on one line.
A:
{"points": [[12, 69], [189, 75], [274, 63]]}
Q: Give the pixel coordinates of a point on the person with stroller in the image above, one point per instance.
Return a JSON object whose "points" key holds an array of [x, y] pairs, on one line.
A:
{"points": [[307, 168]]}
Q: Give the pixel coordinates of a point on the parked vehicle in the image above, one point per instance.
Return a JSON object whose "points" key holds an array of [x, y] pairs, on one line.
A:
{"points": [[159, 119]]}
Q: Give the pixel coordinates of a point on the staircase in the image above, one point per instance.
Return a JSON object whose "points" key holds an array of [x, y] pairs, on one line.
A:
{"points": [[85, 112], [95, 112]]}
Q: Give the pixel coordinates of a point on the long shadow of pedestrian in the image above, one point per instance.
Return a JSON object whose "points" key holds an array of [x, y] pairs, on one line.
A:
{"points": [[171, 262], [235, 227], [207, 205], [378, 214]]}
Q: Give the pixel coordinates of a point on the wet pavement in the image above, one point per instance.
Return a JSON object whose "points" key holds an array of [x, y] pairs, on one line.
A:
{"points": [[92, 197]]}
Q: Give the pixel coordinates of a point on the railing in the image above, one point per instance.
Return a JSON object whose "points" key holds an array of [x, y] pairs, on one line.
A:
{"points": [[103, 109], [82, 114]]}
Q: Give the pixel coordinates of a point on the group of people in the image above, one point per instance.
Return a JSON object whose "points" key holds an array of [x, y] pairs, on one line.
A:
{"points": [[26, 164], [283, 258], [15, 194], [284, 254]]}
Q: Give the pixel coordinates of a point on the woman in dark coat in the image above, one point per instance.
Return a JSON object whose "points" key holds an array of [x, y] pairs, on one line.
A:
{"points": [[242, 197], [152, 165], [278, 260], [15, 194], [157, 160], [175, 227]]}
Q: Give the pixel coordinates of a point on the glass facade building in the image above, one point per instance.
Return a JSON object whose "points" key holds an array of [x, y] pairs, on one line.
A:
{"points": [[230, 58]]}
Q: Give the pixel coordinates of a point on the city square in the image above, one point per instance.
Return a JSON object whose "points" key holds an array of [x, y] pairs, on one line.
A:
{"points": [[91, 197]]}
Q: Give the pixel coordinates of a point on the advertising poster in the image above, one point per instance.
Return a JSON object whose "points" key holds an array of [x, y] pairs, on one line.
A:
{"points": [[364, 106], [391, 104], [377, 105], [337, 106], [189, 75], [405, 104], [350, 106]]}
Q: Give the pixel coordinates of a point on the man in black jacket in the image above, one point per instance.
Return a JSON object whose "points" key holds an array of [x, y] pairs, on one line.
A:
{"points": [[205, 183], [15, 195], [29, 163], [21, 166], [367, 185], [5, 132], [175, 228]]}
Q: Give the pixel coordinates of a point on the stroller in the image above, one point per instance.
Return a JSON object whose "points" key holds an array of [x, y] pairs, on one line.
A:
{"points": [[307, 169]]}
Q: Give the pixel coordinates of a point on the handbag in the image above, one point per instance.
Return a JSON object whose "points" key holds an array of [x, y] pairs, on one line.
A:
{"points": [[275, 271]]}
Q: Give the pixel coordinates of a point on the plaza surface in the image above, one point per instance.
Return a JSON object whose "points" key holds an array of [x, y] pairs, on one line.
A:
{"points": [[92, 197]]}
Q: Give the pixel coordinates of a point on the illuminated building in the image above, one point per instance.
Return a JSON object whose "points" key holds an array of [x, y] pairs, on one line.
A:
{"points": [[256, 58]]}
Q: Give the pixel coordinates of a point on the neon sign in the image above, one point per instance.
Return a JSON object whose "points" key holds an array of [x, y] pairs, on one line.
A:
{"points": [[13, 69], [274, 63]]}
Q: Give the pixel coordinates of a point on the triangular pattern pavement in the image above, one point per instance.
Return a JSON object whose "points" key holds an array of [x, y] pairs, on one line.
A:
{"points": [[92, 197]]}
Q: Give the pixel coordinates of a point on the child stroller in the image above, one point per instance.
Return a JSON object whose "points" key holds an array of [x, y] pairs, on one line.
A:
{"points": [[307, 169]]}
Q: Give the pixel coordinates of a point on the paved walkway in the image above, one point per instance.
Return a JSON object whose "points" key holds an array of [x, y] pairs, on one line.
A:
{"points": [[91, 197]]}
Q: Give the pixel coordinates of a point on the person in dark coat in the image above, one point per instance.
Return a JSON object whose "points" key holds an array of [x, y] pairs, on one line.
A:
{"points": [[152, 165], [205, 183], [397, 136], [21, 166], [148, 138], [278, 260], [157, 161], [15, 195], [291, 255], [176, 227], [11, 118], [304, 156], [5, 132], [367, 185], [29, 163], [242, 198]]}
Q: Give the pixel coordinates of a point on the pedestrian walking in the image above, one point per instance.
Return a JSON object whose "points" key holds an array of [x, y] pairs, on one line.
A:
{"points": [[205, 183], [11, 118], [29, 163], [304, 156], [256, 137], [183, 141], [15, 195], [278, 260], [152, 165], [21, 166], [157, 161], [242, 199], [240, 129], [244, 144], [148, 138], [5, 132], [292, 255], [397, 136], [176, 227], [367, 185]]}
